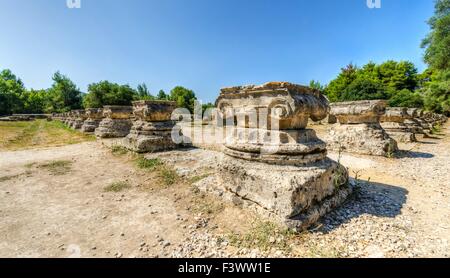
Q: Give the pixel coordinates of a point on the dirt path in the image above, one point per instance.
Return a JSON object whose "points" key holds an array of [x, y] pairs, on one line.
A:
{"points": [[403, 211]]}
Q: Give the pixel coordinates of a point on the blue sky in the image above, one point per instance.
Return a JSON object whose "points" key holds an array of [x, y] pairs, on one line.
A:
{"points": [[205, 44]]}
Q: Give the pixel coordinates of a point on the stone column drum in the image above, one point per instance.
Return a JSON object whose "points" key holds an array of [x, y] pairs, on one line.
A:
{"points": [[412, 123], [283, 172], [71, 118], [152, 128], [80, 117], [393, 121], [94, 117], [359, 130], [116, 122]]}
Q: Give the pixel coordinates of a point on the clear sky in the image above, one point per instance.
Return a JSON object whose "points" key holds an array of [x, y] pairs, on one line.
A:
{"points": [[205, 44]]}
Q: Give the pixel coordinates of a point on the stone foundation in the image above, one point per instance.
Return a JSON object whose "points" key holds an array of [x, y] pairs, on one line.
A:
{"points": [[368, 139], [151, 132], [95, 116], [283, 173], [393, 122], [358, 129], [116, 123]]}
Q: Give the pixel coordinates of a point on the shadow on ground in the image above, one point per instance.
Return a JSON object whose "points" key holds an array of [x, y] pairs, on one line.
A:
{"points": [[413, 154], [377, 199]]}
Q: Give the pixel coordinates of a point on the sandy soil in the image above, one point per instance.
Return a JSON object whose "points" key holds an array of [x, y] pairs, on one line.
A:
{"points": [[48, 215]]}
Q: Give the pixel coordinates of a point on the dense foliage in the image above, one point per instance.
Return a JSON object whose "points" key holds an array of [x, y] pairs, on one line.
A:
{"points": [[107, 93], [64, 95], [391, 80], [437, 56]]}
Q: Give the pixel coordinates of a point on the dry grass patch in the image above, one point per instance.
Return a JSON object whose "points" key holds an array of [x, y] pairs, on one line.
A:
{"points": [[263, 235], [57, 167], [7, 178], [117, 186]]}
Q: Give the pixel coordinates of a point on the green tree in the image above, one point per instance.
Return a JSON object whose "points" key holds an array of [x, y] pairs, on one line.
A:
{"points": [[363, 89], [184, 97], [316, 85], [34, 101], [436, 44], [64, 95], [107, 93], [11, 89], [143, 93], [162, 95], [406, 98], [437, 56], [338, 85]]}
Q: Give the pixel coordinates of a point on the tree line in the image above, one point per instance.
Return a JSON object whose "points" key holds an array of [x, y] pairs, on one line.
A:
{"points": [[64, 95], [399, 82]]}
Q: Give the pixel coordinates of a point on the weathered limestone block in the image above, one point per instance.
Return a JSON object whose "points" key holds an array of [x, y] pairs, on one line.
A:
{"points": [[116, 122], [80, 117], [283, 172], [71, 119], [94, 117], [413, 123], [359, 130], [393, 121], [152, 129]]}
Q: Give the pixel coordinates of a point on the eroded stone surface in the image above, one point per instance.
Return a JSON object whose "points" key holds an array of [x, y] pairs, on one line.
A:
{"points": [[79, 116], [116, 123], [282, 172], [152, 130], [358, 129], [94, 117], [393, 122]]}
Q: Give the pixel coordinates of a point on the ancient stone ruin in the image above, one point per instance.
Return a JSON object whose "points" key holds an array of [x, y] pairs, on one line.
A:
{"points": [[359, 130], [271, 161], [70, 118], [413, 122], [116, 122], [151, 130], [80, 116], [94, 117], [393, 121]]}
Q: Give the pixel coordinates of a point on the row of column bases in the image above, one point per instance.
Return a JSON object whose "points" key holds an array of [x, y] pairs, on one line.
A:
{"points": [[285, 173]]}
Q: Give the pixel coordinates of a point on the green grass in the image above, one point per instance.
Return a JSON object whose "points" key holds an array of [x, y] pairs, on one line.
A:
{"points": [[196, 179], [38, 133], [119, 150], [117, 186], [436, 129], [148, 164], [168, 175], [57, 167]]}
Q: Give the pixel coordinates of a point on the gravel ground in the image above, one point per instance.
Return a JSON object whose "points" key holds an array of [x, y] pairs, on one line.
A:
{"points": [[400, 208]]}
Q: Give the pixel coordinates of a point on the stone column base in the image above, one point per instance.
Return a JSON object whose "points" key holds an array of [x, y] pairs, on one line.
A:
{"points": [[365, 138], [399, 132], [113, 128], [402, 136], [296, 196], [89, 126], [77, 124], [150, 137]]}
